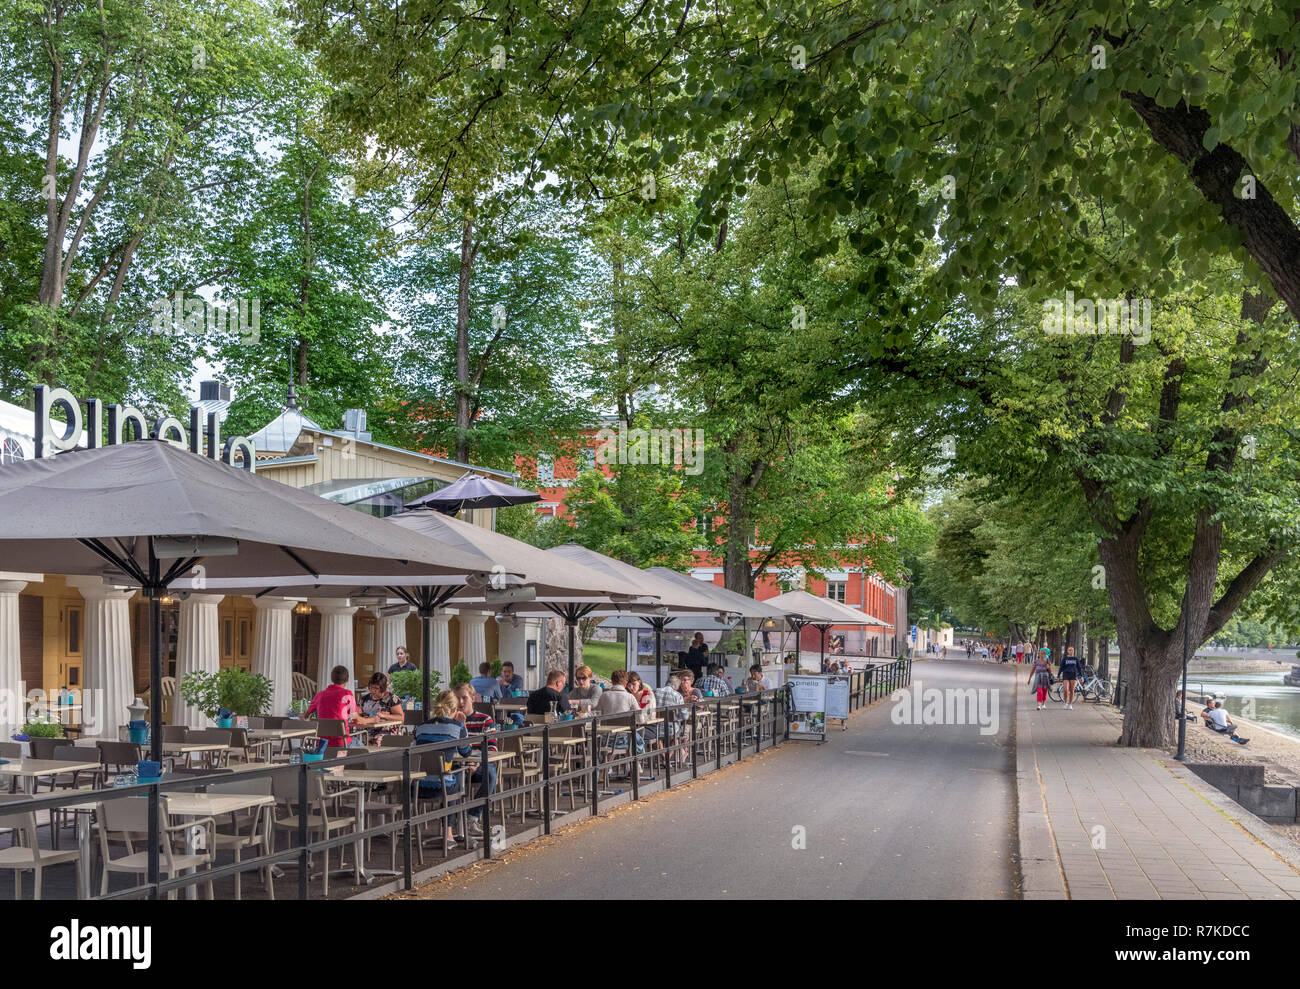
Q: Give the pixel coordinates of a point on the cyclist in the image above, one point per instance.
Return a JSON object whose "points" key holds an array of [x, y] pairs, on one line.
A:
{"points": [[1069, 671]]}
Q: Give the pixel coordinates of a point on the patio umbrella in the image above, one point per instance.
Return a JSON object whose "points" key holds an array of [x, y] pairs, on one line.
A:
{"points": [[734, 603], [802, 608], [501, 563], [675, 599], [153, 515], [474, 491]]}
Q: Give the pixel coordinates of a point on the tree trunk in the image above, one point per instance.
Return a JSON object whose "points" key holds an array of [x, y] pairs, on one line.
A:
{"points": [[462, 340], [1103, 659]]}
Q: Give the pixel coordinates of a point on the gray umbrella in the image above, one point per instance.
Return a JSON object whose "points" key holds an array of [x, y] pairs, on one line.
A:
{"points": [[502, 563], [151, 514], [473, 491]]}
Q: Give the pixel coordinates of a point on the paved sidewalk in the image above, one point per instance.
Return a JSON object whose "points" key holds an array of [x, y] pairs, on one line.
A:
{"points": [[1101, 822]]}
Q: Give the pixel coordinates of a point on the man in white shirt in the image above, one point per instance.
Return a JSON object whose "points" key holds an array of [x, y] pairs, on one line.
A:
{"points": [[1217, 718], [615, 699]]}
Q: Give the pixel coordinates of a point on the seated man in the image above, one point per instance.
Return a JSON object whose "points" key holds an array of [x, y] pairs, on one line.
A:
{"points": [[486, 685], [715, 684], [541, 701], [1218, 719], [510, 680]]}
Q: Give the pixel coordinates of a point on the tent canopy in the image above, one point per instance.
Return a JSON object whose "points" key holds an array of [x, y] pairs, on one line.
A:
{"points": [[809, 609], [729, 601]]}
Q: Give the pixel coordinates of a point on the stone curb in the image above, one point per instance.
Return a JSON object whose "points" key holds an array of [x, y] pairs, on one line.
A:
{"points": [[1252, 824], [1041, 876]]}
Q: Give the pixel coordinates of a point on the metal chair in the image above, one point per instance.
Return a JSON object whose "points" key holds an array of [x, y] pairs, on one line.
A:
{"points": [[316, 815], [247, 829], [129, 817], [25, 853]]}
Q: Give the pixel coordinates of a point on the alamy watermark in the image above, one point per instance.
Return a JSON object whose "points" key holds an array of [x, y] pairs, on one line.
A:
{"points": [[683, 447], [1088, 317], [195, 316], [917, 705]]}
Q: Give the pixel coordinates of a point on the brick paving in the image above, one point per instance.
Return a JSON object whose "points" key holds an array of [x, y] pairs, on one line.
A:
{"points": [[1101, 822]]}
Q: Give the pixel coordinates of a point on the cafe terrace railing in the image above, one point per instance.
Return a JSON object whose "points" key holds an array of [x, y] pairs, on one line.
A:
{"points": [[690, 740]]}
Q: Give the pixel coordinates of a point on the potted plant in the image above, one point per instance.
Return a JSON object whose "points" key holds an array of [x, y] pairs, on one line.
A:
{"points": [[227, 693], [409, 684], [42, 729], [459, 675]]}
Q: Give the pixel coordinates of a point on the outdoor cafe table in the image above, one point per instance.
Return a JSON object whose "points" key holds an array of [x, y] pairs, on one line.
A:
{"points": [[364, 778], [212, 805], [29, 770]]}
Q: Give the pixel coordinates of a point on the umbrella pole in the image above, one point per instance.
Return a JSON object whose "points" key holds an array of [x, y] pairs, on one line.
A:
{"points": [[823, 628], [798, 644], [426, 658], [573, 646], [153, 591], [659, 644]]}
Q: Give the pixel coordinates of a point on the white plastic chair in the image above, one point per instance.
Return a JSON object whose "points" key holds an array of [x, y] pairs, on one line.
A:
{"points": [[25, 852]]}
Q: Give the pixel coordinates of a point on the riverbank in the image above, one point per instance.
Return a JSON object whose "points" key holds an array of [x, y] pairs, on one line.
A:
{"points": [[1277, 752]]}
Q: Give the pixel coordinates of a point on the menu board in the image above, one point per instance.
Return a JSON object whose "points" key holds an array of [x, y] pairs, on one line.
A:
{"points": [[807, 706], [837, 697]]}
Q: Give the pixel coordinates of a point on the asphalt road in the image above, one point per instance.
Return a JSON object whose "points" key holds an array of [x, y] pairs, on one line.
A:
{"points": [[915, 811]]}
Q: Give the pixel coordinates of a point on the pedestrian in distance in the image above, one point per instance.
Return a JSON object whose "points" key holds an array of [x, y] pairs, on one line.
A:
{"points": [[1040, 678], [1069, 672]]}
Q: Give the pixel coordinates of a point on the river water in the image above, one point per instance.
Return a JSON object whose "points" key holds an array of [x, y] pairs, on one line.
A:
{"points": [[1261, 697]]}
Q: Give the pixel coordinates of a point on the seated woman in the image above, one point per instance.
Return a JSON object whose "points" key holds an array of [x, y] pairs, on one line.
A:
{"points": [[380, 710], [443, 727], [336, 701]]}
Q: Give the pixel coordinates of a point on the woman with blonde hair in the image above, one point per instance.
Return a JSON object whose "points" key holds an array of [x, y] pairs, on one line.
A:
{"points": [[443, 726]]}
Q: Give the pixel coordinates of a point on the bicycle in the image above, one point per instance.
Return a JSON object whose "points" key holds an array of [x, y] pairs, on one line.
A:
{"points": [[1089, 683]]}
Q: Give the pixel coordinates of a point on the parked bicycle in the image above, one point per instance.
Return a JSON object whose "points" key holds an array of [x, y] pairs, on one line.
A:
{"points": [[1087, 687]]}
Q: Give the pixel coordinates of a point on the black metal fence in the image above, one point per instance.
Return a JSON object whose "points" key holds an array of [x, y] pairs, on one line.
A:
{"points": [[594, 762]]}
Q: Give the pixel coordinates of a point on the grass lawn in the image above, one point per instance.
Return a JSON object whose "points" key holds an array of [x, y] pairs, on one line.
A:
{"points": [[604, 657]]}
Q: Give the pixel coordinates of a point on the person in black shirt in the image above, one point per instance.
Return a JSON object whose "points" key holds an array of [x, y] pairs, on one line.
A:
{"points": [[697, 655], [403, 664], [540, 701]]}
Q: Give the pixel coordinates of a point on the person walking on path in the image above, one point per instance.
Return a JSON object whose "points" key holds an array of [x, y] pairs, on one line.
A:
{"points": [[1069, 673], [1040, 677]]}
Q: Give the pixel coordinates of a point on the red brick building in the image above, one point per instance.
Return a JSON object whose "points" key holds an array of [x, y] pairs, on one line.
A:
{"points": [[868, 592]]}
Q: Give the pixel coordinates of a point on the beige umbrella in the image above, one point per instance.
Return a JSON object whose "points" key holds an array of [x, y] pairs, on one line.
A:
{"points": [[802, 608]]}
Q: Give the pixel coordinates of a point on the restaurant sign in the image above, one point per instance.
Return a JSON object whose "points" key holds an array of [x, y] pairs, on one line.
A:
{"points": [[127, 423]]}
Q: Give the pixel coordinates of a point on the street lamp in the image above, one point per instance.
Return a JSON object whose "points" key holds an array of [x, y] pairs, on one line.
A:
{"points": [[1182, 712]]}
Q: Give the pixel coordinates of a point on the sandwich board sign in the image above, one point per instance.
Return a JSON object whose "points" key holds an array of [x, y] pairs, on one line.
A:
{"points": [[837, 699], [808, 706]]}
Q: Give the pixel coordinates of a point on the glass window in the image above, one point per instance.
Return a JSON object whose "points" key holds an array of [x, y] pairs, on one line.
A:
{"points": [[545, 468], [74, 632], [836, 590]]}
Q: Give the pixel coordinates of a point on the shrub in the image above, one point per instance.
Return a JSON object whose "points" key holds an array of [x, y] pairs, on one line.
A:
{"points": [[410, 683], [42, 729], [496, 667], [231, 689], [459, 675]]}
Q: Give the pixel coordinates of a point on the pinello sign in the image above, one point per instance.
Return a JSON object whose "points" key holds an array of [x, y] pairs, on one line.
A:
{"points": [[126, 423]]}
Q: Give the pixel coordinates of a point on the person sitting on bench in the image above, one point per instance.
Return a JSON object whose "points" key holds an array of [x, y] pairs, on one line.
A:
{"points": [[1217, 718]]}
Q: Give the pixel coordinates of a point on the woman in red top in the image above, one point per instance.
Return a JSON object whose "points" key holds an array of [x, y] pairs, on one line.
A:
{"points": [[336, 701]]}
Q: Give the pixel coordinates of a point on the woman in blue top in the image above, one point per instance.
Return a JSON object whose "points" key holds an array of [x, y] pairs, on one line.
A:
{"points": [[1070, 671], [442, 727]]}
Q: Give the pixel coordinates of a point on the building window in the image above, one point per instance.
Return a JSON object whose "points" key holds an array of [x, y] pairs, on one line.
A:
{"points": [[704, 526], [546, 468], [586, 461], [836, 590], [11, 452]]}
